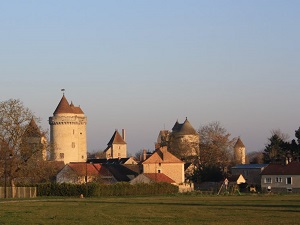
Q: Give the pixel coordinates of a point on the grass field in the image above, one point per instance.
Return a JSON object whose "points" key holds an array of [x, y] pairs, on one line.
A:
{"points": [[181, 209]]}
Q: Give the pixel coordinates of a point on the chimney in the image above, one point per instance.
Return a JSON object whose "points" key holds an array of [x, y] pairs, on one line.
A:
{"points": [[144, 154], [124, 134]]}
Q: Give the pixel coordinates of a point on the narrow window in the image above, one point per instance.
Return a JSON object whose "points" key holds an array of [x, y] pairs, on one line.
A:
{"points": [[268, 180], [158, 171], [288, 180], [73, 144], [62, 155]]}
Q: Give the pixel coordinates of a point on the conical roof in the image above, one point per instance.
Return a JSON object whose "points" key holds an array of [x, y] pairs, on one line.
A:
{"points": [[239, 144], [32, 129], [116, 139], [63, 107], [184, 129]]}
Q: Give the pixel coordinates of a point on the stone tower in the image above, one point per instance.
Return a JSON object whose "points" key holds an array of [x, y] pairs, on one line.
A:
{"points": [[239, 152], [34, 142], [116, 147], [68, 133], [182, 141]]}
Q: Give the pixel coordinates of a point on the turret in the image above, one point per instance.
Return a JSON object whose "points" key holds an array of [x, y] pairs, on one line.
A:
{"points": [[68, 133]]}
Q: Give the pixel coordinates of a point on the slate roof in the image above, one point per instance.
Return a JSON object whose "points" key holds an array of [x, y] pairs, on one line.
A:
{"points": [[109, 161], [64, 107], [249, 166], [162, 155], [184, 128], [293, 168], [121, 172], [159, 177]]}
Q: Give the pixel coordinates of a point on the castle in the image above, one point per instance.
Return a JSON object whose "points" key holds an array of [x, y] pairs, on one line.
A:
{"points": [[68, 133], [183, 140]]}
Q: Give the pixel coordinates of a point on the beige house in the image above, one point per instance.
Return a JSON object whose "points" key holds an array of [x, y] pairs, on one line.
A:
{"points": [[68, 133], [281, 178], [116, 147], [162, 161]]}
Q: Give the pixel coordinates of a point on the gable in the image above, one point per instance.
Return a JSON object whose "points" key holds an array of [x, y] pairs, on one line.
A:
{"points": [[162, 155]]}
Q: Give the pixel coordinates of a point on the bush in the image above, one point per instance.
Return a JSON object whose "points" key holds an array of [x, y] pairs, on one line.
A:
{"points": [[98, 190]]}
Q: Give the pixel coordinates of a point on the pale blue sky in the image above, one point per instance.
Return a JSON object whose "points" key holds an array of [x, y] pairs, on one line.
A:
{"points": [[141, 65]]}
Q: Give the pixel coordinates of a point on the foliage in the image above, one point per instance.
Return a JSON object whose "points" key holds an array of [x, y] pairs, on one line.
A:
{"points": [[24, 147], [98, 190], [255, 157], [279, 148], [215, 145]]}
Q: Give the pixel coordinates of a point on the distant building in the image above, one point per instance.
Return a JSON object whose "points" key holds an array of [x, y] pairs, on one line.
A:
{"points": [[182, 141], [162, 161], [282, 178], [251, 172], [68, 133], [239, 152], [34, 142], [116, 147]]}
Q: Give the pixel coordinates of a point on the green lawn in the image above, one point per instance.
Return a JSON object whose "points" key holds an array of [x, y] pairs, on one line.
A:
{"points": [[181, 209]]}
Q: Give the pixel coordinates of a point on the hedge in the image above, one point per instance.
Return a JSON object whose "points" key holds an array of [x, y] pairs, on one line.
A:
{"points": [[98, 190]]}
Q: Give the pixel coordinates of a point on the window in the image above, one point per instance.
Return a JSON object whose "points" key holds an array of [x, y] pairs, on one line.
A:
{"points": [[268, 180], [288, 180], [158, 171], [62, 155], [278, 179], [73, 144], [159, 164]]}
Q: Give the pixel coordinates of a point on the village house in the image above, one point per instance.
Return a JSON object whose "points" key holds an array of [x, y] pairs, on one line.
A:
{"points": [[281, 178], [79, 173], [251, 172]]}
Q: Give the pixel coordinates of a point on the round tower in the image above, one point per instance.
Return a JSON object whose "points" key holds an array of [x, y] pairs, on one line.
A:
{"points": [[239, 152], [68, 133]]}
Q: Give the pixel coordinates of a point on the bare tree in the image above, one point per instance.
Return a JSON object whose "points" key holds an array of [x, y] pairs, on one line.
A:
{"points": [[216, 147], [24, 151]]}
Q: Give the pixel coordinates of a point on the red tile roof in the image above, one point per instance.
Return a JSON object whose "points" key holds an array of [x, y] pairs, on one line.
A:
{"points": [[162, 155], [64, 107], [83, 169], [293, 168], [159, 177]]}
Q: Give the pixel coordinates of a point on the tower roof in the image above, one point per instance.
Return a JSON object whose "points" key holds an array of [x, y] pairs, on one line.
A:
{"points": [[116, 139], [32, 129], [184, 128], [65, 107], [239, 144]]}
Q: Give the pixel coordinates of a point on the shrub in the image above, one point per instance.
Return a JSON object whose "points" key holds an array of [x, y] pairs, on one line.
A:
{"points": [[98, 190]]}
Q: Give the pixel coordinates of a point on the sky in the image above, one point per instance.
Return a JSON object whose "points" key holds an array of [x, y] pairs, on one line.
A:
{"points": [[142, 65]]}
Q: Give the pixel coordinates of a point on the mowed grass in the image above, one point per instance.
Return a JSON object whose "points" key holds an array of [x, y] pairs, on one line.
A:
{"points": [[181, 209]]}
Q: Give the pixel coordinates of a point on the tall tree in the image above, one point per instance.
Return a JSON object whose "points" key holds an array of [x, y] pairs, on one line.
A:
{"points": [[21, 152], [273, 150], [216, 147]]}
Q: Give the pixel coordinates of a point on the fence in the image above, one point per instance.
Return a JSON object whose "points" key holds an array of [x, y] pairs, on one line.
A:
{"points": [[18, 192]]}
